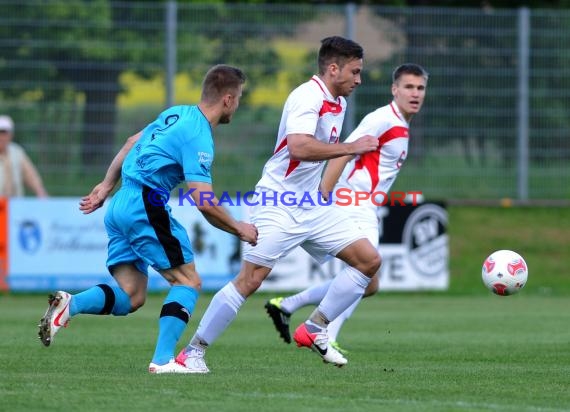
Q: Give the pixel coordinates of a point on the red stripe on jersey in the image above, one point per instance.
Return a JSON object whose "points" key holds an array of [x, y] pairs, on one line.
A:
{"points": [[330, 107], [281, 146], [327, 107], [292, 166], [292, 163], [371, 160]]}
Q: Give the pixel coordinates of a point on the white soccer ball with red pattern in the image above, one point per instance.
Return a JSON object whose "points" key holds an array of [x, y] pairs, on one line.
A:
{"points": [[504, 272]]}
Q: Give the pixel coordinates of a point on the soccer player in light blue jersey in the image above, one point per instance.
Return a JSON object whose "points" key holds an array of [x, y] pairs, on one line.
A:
{"points": [[178, 146]]}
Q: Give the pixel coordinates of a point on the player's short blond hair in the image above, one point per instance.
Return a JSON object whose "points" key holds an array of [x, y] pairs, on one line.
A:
{"points": [[219, 80]]}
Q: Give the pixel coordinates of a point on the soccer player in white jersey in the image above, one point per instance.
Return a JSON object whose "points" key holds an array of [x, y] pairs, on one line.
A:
{"points": [[368, 173], [287, 213]]}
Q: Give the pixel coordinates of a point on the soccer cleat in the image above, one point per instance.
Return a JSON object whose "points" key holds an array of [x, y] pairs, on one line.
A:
{"points": [[280, 318], [339, 348], [317, 340], [170, 367], [56, 316], [193, 360]]}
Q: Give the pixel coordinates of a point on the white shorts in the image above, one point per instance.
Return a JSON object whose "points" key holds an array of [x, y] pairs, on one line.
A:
{"points": [[366, 220], [322, 231]]}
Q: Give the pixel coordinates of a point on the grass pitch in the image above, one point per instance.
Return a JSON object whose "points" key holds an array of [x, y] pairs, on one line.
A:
{"points": [[462, 350], [408, 352]]}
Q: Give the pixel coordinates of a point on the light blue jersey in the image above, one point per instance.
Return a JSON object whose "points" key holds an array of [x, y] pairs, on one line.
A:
{"points": [[178, 146]]}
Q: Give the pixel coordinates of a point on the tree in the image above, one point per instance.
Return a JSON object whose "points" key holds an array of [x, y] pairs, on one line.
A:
{"points": [[69, 51], [77, 52]]}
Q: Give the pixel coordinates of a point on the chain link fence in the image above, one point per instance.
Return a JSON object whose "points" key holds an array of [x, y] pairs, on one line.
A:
{"points": [[80, 77]]}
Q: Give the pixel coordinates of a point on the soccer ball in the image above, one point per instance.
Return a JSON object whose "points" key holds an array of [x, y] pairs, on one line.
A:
{"points": [[504, 272]]}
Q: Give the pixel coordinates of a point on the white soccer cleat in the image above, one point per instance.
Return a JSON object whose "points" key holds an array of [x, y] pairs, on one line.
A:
{"points": [[318, 341], [170, 367], [56, 316], [193, 359], [334, 356]]}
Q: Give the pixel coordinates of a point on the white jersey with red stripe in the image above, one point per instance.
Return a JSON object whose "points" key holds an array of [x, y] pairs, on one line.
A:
{"points": [[309, 109], [376, 171]]}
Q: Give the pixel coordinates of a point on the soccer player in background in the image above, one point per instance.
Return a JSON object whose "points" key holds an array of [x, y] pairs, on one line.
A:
{"points": [[178, 146], [308, 135], [370, 172]]}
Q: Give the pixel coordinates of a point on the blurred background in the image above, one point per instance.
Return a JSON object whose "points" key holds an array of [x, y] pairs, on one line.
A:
{"points": [[79, 77]]}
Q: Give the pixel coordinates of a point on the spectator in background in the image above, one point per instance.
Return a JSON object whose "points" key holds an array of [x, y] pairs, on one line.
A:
{"points": [[16, 168]]}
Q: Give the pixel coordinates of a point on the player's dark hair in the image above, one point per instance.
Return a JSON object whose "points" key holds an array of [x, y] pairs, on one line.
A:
{"points": [[336, 49], [409, 68], [220, 80]]}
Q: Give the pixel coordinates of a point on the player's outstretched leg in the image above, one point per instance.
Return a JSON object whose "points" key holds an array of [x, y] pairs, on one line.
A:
{"points": [[56, 316], [279, 317], [314, 337]]}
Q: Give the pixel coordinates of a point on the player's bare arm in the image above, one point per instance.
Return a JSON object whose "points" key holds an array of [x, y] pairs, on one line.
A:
{"points": [[305, 147], [101, 191], [332, 173], [217, 215]]}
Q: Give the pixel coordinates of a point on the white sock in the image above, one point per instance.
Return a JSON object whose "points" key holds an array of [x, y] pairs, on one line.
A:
{"points": [[345, 289], [310, 296], [221, 311], [334, 327]]}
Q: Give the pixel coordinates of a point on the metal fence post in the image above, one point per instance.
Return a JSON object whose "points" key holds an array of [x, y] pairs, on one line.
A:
{"points": [[170, 50], [349, 122], [523, 102]]}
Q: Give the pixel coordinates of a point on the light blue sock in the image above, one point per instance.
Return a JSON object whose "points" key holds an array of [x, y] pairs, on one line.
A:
{"points": [[90, 301], [174, 316], [101, 300]]}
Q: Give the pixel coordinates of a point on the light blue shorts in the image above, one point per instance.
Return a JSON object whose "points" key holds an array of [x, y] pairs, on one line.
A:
{"points": [[144, 233]]}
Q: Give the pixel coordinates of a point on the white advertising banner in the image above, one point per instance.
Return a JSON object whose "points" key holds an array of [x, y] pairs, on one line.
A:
{"points": [[52, 246], [414, 247]]}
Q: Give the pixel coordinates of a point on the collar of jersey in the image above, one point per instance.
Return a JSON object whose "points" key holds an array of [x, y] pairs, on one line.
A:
{"points": [[397, 112], [325, 90]]}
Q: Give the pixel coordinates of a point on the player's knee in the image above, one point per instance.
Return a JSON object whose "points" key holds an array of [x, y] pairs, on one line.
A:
{"points": [[372, 264], [247, 285], [184, 275], [192, 281]]}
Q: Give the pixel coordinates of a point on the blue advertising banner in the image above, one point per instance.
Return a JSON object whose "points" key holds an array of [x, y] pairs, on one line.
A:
{"points": [[53, 246]]}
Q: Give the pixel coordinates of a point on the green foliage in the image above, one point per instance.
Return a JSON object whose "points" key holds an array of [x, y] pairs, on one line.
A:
{"points": [[62, 62], [72, 35], [212, 29]]}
